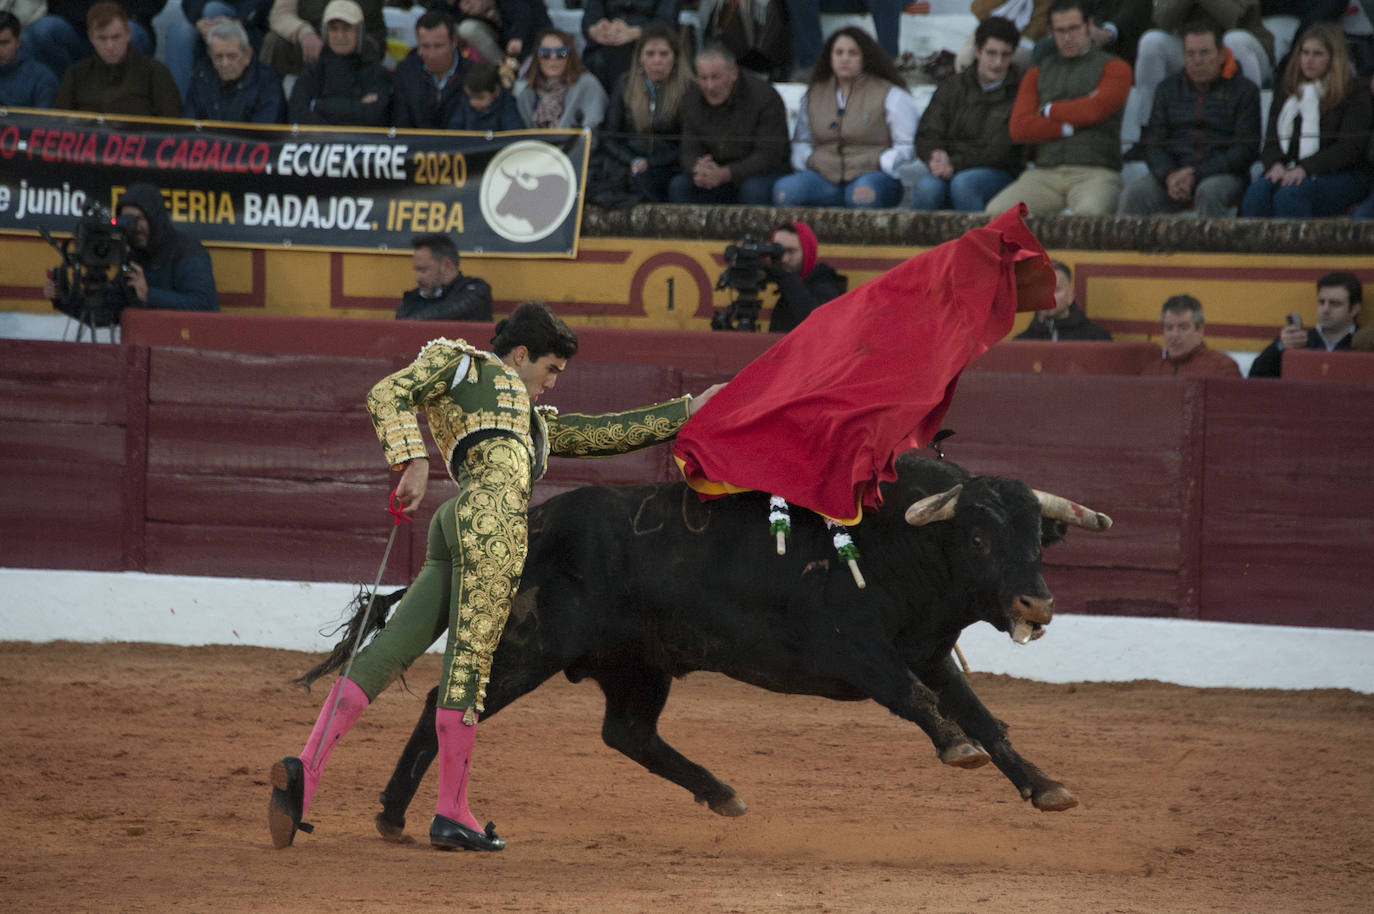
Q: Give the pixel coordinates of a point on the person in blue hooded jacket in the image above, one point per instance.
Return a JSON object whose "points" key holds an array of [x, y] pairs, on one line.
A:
{"points": [[167, 269]]}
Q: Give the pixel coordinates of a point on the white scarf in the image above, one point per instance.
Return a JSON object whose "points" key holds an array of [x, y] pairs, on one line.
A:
{"points": [[1307, 104]]}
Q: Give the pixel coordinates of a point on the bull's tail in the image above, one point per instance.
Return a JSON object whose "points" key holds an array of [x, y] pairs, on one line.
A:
{"points": [[348, 632]]}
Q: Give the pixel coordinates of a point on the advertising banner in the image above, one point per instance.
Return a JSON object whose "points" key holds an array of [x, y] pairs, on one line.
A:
{"points": [[513, 194]]}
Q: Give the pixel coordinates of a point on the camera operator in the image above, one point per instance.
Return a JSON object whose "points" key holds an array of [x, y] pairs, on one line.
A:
{"points": [[803, 284], [166, 269]]}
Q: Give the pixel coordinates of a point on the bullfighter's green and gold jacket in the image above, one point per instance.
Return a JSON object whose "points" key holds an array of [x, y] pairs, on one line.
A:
{"points": [[464, 390]]}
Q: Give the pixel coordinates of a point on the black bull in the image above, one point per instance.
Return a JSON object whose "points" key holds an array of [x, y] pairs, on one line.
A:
{"points": [[631, 586]]}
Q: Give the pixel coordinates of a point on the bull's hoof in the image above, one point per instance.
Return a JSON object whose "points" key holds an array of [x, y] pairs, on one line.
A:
{"points": [[391, 831], [965, 755], [1056, 799], [731, 807]]}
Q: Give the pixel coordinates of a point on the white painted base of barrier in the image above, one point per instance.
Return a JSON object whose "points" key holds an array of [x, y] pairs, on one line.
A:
{"points": [[167, 609]]}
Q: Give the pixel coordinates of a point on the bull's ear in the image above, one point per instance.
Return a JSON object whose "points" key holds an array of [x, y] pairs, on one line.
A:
{"points": [[1052, 531]]}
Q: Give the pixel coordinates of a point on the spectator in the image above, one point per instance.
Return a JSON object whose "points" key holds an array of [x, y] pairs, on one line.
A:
{"points": [[1070, 108], [963, 137], [1114, 26], [346, 85], [613, 26], [485, 105], [734, 135], [641, 138], [497, 28], [427, 86], [297, 35], [853, 131], [231, 85], [559, 92], [23, 81], [1162, 54], [805, 18], [1032, 21], [757, 32], [188, 37], [166, 270], [804, 284], [117, 78], [1339, 296], [1185, 354], [442, 292], [1315, 144], [62, 37], [1203, 133], [1065, 321]]}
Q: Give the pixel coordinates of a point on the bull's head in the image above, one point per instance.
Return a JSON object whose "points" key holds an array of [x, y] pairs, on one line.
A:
{"points": [[522, 179], [1000, 542]]}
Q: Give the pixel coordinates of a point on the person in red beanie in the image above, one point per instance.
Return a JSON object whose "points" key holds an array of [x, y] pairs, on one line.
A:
{"points": [[803, 284]]}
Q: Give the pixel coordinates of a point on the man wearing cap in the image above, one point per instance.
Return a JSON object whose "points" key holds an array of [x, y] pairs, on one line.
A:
{"points": [[346, 85], [803, 284], [166, 268]]}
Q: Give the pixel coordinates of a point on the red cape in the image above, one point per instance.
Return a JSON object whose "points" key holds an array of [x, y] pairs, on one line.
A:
{"points": [[820, 417]]}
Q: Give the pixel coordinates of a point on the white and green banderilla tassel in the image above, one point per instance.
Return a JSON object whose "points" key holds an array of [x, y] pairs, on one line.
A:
{"points": [[844, 545], [779, 522]]}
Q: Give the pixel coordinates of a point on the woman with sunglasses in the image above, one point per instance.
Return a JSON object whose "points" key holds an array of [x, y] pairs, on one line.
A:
{"points": [[558, 92], [641, 140], [854, 130]]}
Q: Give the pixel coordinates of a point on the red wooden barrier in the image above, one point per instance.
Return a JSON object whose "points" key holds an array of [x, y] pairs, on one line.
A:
{"points": [[1234, 499], [1320, 365], [1067, 357]]}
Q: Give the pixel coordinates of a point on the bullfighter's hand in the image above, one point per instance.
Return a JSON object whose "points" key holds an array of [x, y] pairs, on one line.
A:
{"points": [[414, 480], [699, 400]]}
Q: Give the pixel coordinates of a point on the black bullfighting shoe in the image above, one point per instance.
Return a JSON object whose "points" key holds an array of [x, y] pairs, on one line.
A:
{"points": [[284, 807], [448, 835]]}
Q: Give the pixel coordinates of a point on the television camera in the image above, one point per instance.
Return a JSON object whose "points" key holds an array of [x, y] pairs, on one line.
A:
{"points": [[746, 273]]}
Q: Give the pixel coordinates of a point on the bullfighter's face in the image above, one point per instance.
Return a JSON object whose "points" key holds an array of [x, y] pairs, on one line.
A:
{"points": [[539, 375]]}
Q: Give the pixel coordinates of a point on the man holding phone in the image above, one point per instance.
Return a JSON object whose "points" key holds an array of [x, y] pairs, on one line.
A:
{"points": [[1339, 296]]}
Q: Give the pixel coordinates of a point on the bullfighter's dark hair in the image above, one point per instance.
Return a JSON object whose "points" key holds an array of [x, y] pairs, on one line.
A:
{"points": [[1182, 304], [1349, 280], [998, 27], [533, 325], [482, 76], [441, 247], [434, 19]]}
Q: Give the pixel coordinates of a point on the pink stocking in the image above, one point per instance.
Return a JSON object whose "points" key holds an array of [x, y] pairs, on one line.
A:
{"points": [[456, 740], [352, 702]]}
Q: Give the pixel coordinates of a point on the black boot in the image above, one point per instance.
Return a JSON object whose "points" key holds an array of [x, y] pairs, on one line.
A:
{"points": [[284, 806]]}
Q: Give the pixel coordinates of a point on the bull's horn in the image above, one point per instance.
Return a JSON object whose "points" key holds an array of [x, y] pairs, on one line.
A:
{"points": [[1071, 512], [939, 506], [523, 180]]}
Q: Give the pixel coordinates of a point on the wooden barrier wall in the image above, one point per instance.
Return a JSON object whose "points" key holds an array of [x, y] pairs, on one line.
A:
{"points": [[1235, 500]]}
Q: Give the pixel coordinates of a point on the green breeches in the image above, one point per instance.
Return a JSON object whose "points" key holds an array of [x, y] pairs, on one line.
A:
{"points": [[475, 554]]}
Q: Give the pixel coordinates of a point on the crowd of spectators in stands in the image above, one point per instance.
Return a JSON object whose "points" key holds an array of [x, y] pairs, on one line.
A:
{"points": [[1035, 116]]}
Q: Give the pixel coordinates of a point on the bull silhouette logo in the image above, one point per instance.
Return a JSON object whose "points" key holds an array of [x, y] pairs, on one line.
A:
{"points": [[528, 191]]}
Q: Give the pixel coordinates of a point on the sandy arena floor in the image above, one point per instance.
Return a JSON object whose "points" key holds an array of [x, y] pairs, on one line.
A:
{"points": [[136, 781]]}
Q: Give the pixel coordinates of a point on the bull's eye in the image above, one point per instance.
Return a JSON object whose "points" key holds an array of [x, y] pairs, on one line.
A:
{"points": [[980, 543]]}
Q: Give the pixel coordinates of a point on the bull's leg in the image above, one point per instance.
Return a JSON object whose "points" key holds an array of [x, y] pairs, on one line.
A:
{"points": [[635, 697], [881, 674], [958, 701], [420, 750]]}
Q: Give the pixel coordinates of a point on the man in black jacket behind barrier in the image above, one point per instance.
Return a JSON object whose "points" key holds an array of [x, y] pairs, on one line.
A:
{"points": [[442, 292], [803, 284]]}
